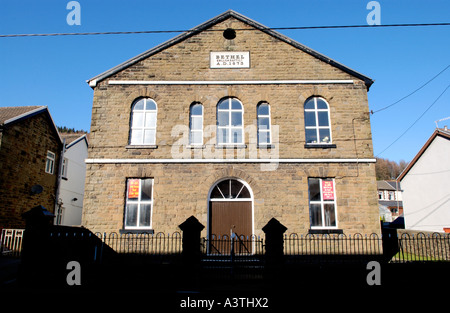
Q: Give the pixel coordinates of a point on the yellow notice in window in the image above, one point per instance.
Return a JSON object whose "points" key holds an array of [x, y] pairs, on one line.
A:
{"points": [[133, 188]]}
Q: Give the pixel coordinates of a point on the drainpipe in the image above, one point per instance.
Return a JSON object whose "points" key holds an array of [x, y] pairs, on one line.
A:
{"points": [[58, 183], [397, 196]]}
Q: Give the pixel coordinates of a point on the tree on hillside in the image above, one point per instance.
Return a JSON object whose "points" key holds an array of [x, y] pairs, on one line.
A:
{"points": [[65, 129], [388, 170]]}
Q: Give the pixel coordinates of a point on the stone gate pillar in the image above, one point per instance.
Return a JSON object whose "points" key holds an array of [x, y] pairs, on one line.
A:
{"points": [[191, 229], [274, 231]]}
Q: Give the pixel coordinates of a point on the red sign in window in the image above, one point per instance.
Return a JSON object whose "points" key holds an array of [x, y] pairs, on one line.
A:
{"points": [[133, 188], [327, 190]]}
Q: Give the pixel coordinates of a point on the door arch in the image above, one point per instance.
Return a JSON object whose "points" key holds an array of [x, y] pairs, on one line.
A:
{"points": [[230, 210]]}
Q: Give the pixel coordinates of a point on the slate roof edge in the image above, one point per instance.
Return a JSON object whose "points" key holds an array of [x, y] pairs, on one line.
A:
{"points": [[230, 13]]}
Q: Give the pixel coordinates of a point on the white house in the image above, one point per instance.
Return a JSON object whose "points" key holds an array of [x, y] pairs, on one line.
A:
{"points": [[390, 196], [425, 184], [71, 189]]}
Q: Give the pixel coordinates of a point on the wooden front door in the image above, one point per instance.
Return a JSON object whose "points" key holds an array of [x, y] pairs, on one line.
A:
{"points": [[227, 217]]}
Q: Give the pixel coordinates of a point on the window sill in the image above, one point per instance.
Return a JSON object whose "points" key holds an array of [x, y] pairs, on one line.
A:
{"points": [[137, 231], [238, 146], [196, 146], [141, 147], [319, 146], [269, 146], [325, 231]]}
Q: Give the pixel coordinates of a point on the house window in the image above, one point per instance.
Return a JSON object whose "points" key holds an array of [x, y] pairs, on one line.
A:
{"points": [[230, 124], [196, 124], [391, 195], [50, 162], [322, 203], [65, 164], [143, 122], [139, 203], [264, 133], [317, 121], [380, 195]]}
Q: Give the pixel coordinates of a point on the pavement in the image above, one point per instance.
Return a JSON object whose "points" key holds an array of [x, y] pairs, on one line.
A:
{"points": [[9, 268]]}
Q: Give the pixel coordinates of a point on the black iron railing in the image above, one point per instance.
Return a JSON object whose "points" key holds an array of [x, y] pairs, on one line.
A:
{"points": [[423, 247], [316, 247], [143, 243], [406, 247]]}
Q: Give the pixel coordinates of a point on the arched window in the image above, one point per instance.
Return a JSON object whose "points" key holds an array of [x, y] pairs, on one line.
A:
{"points": [[230, 189], [196, 124], [264, 133], [230, 123], [143, 122], [317, 121]]}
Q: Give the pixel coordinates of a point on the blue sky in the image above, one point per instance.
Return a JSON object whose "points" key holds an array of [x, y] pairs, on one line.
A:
{"points": [[53, 71]]}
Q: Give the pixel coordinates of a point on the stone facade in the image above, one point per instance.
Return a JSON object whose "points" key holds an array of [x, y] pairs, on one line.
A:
{"points": [[23, 153], [183, 176]]}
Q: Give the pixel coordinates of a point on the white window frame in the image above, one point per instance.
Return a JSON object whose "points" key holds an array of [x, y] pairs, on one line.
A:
{"points": [[317, 128], [142, 127], [269, 130], [191, 130], [391, 195], [50, 162], [139, 202], [223, 198], [65, 165], [322, 203], [229, 127]]}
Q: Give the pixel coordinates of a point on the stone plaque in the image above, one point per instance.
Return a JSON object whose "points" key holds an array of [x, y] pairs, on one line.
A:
{"points": [[229, 59]]}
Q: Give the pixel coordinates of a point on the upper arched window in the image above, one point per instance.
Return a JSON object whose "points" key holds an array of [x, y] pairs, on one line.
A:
{"points": [[196, 124], [264, 128], [317, 121], [143, 122], [230, 123]]}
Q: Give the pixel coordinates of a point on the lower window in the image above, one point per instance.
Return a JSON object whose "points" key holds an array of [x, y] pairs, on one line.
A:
{"points": [[139, 203], [322, 202]]}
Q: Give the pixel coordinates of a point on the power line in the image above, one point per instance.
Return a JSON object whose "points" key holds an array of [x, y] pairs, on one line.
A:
{"points": [[194, 30], [410, 94], [429, 107]]}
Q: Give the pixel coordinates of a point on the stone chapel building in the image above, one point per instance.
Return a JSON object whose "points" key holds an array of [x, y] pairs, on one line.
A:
{"points": [[233, 123]]}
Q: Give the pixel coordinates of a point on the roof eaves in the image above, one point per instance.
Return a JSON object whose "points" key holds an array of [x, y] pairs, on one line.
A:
{"points": [[368, 81], [79, 139], [384, 185], [437, 132], [25, 115], [230, 13], [93, 81], [39, 110]]}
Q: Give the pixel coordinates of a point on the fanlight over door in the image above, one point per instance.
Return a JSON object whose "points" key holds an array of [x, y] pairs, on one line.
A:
{"points": [[230, 211]]}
